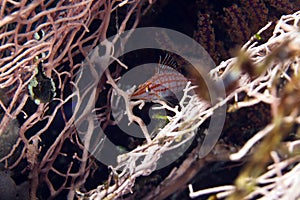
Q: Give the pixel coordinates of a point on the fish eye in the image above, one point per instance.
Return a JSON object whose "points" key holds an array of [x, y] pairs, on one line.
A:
{"points": [[148, 89]]}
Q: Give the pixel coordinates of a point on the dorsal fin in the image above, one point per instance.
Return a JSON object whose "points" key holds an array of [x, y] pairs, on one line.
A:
{"points": [[167, 64]]}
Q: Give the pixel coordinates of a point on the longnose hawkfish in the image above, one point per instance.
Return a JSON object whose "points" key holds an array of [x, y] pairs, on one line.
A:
{"points": [[165, 83]]}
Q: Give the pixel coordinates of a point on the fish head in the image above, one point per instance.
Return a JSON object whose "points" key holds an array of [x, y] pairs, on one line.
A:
{"points": [[145, 92], [166, 83]]}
